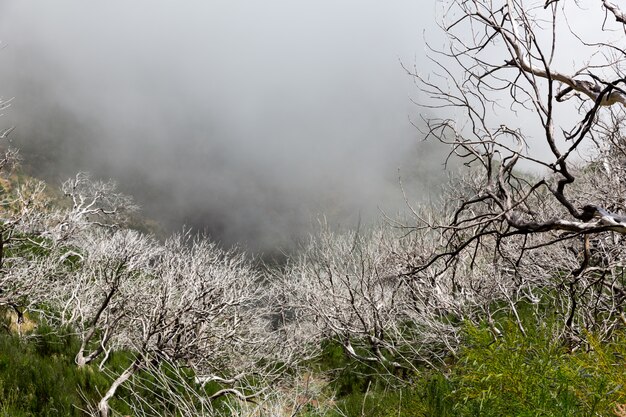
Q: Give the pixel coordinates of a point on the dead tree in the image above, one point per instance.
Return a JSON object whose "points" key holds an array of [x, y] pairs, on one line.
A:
{"points": [[97, 296], [534, 125], [197, 307], [93, 203], [352, 289], [43, 243]]}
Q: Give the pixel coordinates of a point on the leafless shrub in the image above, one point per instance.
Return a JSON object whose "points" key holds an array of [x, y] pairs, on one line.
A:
{"points": [[93, 202], [358, 289], [42, 236], [197, 308], [97, 297]]}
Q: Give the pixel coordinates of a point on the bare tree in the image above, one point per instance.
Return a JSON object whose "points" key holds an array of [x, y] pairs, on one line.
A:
{"points": [[40, 237], [358, 290], [535, 131], [93, 203], [28, 264], [97, 297], [198, 308], [186, 304]]}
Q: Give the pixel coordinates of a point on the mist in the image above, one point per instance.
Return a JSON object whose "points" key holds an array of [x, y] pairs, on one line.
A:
{"points": [[246, 119]]}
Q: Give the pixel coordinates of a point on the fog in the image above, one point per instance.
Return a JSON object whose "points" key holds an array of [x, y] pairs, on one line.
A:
{"points": [[249, 119]]}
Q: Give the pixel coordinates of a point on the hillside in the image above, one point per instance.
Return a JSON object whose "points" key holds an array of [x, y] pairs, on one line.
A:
{"points": [[101, 319]]}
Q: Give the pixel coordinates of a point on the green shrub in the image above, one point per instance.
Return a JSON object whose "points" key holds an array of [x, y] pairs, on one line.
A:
{"points": [[535, 375]]}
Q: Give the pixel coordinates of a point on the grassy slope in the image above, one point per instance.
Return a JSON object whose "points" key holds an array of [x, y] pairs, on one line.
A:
{"points": [[515, 375]]}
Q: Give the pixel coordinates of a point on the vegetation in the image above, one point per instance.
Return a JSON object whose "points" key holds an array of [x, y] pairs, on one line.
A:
{"points": [[39, 377], [516, 374], [507, 297]]}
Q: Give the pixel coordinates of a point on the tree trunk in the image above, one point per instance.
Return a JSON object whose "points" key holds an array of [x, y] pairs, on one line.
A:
{"points": [[103, 405], [80, 359]]}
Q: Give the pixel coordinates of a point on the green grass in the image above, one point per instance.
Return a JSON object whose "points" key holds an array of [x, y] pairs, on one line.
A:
{"points": [[38, 376]]}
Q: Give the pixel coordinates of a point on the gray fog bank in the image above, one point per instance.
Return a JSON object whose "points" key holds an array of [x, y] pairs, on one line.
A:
{"points": [[245, 118]]}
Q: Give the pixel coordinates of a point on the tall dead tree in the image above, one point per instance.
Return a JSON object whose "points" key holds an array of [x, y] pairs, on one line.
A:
{"points": [[533, 103]]}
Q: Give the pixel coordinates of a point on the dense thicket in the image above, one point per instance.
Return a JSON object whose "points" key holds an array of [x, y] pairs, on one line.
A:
{"points": [[505, 297]]}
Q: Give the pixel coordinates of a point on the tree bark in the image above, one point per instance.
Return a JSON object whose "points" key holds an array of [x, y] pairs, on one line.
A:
{"points": [[103, 405]]}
